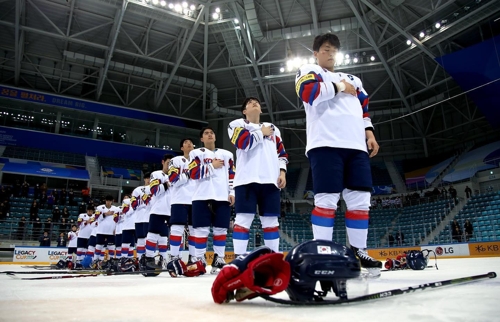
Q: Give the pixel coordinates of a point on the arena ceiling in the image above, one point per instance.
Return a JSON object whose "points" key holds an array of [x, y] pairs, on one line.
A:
{"points": [[199, 59]]}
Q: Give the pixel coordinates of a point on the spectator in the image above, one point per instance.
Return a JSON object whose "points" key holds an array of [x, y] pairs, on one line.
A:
{"points": [[34, 210], [391, 240], [400, 238], [82, 208], [3, 211], [56, 214], [468, 230], [25, 190], [16, 189], [455, 225], [44, 239], [36, 192], [57, 196], [86, 194], [457, 234], [50, 200], [4, 195], [288, 205], [64, 195], [43, 190], [468, 192], [258, 240], [71, 197], [20, 228], [61, 240], [37, 226], [64, 225], [453, 193], [43, 200], [66, 214]]}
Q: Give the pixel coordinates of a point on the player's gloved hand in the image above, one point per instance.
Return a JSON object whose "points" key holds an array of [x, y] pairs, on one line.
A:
{"points": [[259, 272], [176, 267], [195, 269]]}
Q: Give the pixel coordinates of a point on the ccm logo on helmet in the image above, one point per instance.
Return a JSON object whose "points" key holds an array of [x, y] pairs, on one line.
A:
{"points": [[325, 272]]}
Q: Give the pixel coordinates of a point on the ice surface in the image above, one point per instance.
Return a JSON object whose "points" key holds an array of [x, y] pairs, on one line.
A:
{"points": [[162, 298]]}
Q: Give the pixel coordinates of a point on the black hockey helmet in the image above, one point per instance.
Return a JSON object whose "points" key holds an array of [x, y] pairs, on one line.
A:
{"points": [[325, 261]]}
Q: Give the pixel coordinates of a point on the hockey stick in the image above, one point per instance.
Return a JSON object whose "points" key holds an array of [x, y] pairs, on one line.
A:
{"points": [[385, 294], [48, 277], [84, 272], [404, 269]]}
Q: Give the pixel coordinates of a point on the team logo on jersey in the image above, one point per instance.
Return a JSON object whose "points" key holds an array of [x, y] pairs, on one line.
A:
{"points": [[202, 149]]}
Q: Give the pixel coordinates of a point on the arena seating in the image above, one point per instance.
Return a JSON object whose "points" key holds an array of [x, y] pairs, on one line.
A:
{"points": [[483, 211]]}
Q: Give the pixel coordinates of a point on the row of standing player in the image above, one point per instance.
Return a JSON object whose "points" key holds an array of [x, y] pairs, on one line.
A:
{"points": [[338, 132], [199, 182]]}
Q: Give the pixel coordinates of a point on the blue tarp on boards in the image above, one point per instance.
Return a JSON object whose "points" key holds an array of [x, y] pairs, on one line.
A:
{"points": [[45, 171]]}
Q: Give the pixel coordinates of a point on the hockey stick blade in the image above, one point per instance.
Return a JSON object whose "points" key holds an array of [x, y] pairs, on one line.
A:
{"points": [[84, 272], [14, 276], [386, 294]]}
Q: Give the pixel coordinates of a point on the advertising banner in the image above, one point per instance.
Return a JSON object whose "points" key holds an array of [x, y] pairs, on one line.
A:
{"points": [[393, 252], [484, 249], [31, 254], [449, 250]]}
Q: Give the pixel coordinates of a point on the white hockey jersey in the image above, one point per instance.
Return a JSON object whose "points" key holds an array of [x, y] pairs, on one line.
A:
{"points": [[119, 222], [211, 183], [107, 219], [258, 158], [93, 224], [160, 198], [85, 227], [72, 237], [128, 215], [181, 187], [140, 204], [333, 120]]}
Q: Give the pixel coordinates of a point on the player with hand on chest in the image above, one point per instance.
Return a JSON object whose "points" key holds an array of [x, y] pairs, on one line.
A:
{"points": [[213, 171], [84, 231], [340, 141], [261, 162], [106, 216], [181, 198], [140, 207], [159, 217]]}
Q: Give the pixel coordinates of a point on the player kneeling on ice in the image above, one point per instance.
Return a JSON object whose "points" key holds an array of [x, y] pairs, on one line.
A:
{"points": [[264, 272]]}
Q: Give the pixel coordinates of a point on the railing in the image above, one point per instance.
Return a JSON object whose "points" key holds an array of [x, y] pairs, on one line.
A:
{"points": [[13, 231], [110, 181]]}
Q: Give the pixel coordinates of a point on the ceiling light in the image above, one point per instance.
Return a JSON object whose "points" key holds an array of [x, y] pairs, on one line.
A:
{"points": [[155, 2], [355, 60], [347, 56], [163, 3], [178, 8], [184, 4], [282, 69], [192, 7], [217, 9], [215, 15], [422, 34], [372, 58], [408, 42], [236, 21], [437, 25], [312, 60], [171, 5]]}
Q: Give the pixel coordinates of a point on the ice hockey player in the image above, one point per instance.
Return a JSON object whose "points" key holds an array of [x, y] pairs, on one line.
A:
{"points": [[106, 215]]}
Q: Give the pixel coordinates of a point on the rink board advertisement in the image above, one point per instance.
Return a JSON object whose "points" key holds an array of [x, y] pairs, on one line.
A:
{"points": [[450, 250], [30, 254], [392, 252], [484, 249]]}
